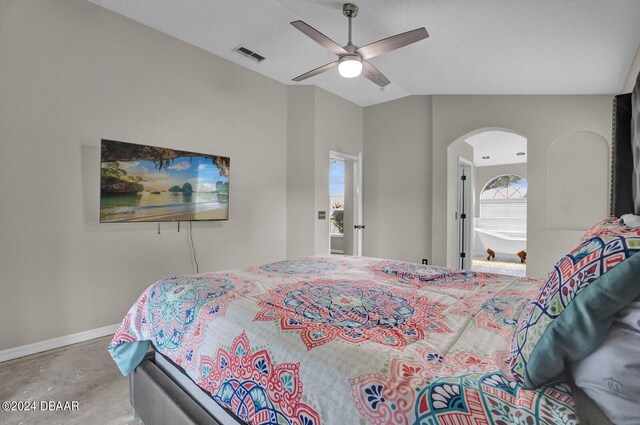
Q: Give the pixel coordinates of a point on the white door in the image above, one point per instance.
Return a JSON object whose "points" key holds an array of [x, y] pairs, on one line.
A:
{"points": [[464, 214], [345, 203]]}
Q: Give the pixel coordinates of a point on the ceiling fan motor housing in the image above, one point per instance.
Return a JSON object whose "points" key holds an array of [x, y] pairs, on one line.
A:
{"points": [[350, 10], [350, 57]]}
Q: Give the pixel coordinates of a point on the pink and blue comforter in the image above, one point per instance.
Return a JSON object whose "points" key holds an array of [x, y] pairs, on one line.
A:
{"points": [[345, 340]]}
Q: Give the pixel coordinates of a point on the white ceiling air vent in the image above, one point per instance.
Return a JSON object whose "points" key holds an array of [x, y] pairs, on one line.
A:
{"points": [[249, 54]]}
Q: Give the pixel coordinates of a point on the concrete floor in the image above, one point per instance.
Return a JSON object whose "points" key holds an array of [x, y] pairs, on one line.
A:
{"points": [[81, 372]]}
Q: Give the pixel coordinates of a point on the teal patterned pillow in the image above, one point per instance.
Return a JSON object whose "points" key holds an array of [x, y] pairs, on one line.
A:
{"points": [[576, 305]]}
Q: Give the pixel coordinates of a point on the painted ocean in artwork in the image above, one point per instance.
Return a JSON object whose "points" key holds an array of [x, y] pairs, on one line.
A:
{"points": [[147, 183]]}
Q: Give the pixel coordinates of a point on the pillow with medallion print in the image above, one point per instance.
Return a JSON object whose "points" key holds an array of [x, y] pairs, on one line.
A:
{"points": [[576, 305]]}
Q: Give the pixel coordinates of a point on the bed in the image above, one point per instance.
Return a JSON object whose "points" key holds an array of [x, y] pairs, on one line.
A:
{"points": [[345, 340]]}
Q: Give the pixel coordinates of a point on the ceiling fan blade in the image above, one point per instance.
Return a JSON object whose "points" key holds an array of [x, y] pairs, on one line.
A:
{"points": [[319, 37], [371, 72], [314, 72], [392, 43]]}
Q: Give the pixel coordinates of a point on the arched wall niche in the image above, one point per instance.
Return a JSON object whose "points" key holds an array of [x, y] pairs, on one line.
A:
{"points": [[577, 180]]}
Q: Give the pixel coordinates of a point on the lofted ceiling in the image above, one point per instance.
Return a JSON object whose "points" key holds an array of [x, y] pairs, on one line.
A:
{"points": [[475, 47]]}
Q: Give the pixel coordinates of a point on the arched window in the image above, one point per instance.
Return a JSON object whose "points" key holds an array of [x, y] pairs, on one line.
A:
{"points": [[506, 187], [503, 205]]}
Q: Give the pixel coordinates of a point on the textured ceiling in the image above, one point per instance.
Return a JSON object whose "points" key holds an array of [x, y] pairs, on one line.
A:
{"points": [[475, 47]]}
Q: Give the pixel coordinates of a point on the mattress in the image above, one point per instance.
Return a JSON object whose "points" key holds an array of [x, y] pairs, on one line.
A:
{"points": [[345, 340]]}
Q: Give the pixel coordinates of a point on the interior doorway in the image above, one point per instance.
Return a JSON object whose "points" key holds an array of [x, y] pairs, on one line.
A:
{"points": [[464, 214], [487, 202], [501, 227], [345, 203]]}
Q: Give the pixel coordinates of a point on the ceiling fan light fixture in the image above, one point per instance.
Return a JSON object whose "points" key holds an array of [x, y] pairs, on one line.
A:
{"points": [[350, 66], [353, 60]]}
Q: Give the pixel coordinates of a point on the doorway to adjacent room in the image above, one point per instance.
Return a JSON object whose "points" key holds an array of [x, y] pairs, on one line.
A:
{"points": [[345, 203], [487, 230], [501, 227]]}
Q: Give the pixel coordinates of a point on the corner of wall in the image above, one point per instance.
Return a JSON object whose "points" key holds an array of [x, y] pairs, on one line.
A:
{"points": [[317, 121], [301, 141], [398, 137], [633, 73]]}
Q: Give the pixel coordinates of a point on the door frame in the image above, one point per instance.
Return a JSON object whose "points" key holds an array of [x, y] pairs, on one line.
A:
{"points": [[465, 202], [357, 198]]}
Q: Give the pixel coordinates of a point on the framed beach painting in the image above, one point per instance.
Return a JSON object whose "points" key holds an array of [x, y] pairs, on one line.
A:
{"points": [[149, 183]]}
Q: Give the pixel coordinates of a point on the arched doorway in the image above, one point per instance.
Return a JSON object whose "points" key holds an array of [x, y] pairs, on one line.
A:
{"points": [[472, 161], [500, 229]]}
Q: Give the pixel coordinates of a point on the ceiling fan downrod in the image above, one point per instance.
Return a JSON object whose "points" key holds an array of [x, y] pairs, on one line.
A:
{"points": [[349, 10]]}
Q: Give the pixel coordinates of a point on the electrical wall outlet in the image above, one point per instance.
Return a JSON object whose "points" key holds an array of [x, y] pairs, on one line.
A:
{"points": [[322, 215]]}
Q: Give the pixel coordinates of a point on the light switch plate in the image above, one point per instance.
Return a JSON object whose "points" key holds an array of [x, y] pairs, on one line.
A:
{"points": [[322, 215]]}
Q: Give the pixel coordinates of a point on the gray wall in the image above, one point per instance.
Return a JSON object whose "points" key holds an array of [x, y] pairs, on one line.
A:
{"points": [[548, 122], [318, 122], [72, 73], [397, 170], [633, 74], [301, 141], [409, 163]]}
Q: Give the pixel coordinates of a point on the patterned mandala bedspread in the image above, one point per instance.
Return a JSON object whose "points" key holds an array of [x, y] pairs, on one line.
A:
{"points": [[346, 340]]}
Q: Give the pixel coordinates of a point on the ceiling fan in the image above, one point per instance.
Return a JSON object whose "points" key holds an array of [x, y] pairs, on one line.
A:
{"points": [[352, 60]]}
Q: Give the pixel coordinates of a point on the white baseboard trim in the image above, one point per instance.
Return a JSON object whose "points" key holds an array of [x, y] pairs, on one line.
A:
{"points": [[50, 344]]}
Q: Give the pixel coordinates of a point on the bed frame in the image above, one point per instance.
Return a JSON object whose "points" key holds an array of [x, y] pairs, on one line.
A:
{"points": [[159, 400]]}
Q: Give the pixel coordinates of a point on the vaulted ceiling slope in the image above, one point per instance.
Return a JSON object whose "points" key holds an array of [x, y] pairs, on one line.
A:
{"points": [[475, 47]]}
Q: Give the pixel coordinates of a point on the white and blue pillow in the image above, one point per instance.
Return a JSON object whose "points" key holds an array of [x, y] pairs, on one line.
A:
{"points": [[577, 303]]}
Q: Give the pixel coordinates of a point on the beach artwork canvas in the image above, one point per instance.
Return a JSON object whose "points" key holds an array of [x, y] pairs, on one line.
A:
{"points": [[148, 183]]}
